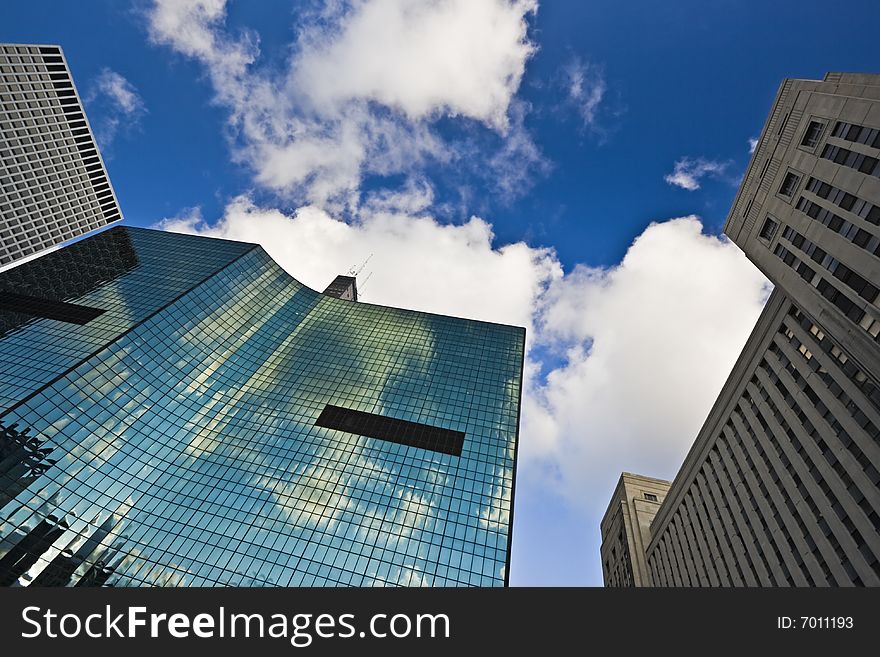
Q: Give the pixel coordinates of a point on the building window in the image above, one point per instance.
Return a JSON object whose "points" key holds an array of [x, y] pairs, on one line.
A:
{"points": [[768, 230], [857, 133], [789, 184], [650, 497], [811, 136]]}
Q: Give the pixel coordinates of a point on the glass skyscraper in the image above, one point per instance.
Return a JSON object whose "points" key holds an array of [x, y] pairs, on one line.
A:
{"points": [[178, 410]]}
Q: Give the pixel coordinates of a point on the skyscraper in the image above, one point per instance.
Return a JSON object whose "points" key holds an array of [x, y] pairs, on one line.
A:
{"points": [[782, 485], [626, 529], [53, 184], [178, 410]]}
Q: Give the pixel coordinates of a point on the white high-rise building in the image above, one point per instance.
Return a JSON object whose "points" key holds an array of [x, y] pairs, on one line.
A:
{"points": [[53, 184]]}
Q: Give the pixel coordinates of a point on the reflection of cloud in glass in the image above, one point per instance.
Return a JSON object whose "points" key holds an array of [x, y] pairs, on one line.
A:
{"points": [[202, 419]]}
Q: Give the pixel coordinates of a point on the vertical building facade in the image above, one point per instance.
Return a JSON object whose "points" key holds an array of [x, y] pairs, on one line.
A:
{"points": [[782, 485], [53, 184], [626, 529], [177, 410]]}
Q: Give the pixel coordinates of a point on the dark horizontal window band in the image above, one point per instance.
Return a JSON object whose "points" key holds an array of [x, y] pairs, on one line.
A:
{"points": [[402, 432], [48, 309]]}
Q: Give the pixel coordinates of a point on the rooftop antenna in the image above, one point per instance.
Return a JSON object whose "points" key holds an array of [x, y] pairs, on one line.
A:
{"points": [[361, 289], [355, 271]]}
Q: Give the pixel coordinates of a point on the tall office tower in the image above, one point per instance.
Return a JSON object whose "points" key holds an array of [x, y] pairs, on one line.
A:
{"points": [[626, 529], [53, 185], [177, 410], [782, 486]]}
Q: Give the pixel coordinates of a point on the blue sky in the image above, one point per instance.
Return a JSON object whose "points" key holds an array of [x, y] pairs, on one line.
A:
{"points": [[595, 103]]}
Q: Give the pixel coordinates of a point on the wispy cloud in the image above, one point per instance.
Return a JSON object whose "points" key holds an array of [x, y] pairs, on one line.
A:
{"points": [[118, 106], [753, 144], [688, 172], [585, 87]]}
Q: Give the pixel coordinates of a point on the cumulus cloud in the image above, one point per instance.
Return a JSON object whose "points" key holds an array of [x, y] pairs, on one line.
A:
{"points": [[457, 57], [646, 347], [363, 88], [688, 172], [117, 104], [642, 348], [623, 363], [417, 262]]}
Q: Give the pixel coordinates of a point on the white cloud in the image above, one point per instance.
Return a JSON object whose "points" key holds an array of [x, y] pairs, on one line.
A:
{"points": [[645, 345], [624, 362], [688, 172], [753, 144], [586, 87], [122, 92], [362, 89], [417, 263], [120, 106], [456, 57]]}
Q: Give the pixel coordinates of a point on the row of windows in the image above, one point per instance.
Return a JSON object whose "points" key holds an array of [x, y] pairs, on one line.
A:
{"points": [[847, 306], [857, 133], [30, 85], [858, 236], [16, 53], [844, 200], [45, 138], [44, 112], [851, 279], [852, 160]]}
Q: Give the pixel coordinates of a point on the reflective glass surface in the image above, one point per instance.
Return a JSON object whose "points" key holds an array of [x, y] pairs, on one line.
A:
{"points": [[172, 440]]}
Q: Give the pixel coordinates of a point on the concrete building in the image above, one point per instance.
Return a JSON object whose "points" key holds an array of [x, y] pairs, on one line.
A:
{"points": [[53, 184], [782, 485], [626, 529]]}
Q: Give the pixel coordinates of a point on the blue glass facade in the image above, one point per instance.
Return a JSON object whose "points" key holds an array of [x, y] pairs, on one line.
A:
{"points": [[172, 439]]}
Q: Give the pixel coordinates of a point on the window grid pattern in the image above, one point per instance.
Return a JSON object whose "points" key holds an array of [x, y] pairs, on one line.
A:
{"points": [[185, 451], [858, 236], [852, 310], [791, 482], [844, 200], [53, 185], [829, 263]]}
